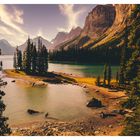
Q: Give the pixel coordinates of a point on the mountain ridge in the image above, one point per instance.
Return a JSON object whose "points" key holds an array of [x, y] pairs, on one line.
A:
{"points": [[100, 32], [35, 42], [6, 47], [62, 37]]}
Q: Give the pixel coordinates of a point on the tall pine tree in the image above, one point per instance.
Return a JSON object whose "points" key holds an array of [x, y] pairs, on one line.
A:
{"points": [[109, 74], [105, 75]]}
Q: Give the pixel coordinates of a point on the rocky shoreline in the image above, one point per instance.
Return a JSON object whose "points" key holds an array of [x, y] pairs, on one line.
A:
{"points": [[94, 126]]}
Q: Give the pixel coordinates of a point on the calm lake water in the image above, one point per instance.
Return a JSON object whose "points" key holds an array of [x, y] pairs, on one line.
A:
{"points": [[63, 102], [75, 69]]}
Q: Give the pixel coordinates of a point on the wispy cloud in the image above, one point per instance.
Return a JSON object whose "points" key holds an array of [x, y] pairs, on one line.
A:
{"points": [[10, 28], [72, 16]]}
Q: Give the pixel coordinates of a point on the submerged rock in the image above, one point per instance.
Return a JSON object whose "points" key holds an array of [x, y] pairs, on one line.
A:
{"points": [[30, 111], [94, 103]]}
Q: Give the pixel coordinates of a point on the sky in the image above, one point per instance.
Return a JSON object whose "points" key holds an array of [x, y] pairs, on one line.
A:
{"points": [[17, 22]]}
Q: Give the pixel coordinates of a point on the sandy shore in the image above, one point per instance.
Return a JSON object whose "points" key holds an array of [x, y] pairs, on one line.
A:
{"points": [[94, 125]]}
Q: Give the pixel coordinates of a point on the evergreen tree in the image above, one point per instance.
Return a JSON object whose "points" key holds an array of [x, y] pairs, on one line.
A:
{"points": [[98, 82], [109, 73], [122, 66], [19, 59], [123, 56], [133, 91], [133, 64], [28, 57], [39, 57], [42, 58], [34, 59], [15, 61], [133, 123], [24, 61], [117, 77], [105, 75], [45, 58], [4, 127]]}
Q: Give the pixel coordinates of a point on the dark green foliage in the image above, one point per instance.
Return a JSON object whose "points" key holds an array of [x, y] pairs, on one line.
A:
{"points": [[24, 60], [133, 101], [35, 61], [28, 57], [105, 75], [17, 59], [133, 124], [117, 76], [133, 92], [34, 58], [86, 55], [122, 66], [42, 58], [109, 75], [132, 66], [98, 82], [4, 128]]}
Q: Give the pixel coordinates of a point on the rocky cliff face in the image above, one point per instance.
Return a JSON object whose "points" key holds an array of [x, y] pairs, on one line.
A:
{"points": [[123, 12], [99, 20], [104, 24], [117, 14]]}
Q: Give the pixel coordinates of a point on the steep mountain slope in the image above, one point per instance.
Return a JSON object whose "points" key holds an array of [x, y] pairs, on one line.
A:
{"points": [[62, 37], [99, 20], [6, 48], [123, 13], [105, 24], [35, 41]]}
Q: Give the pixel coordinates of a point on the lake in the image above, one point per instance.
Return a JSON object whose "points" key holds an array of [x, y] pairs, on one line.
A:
{"points": [[63, 102], [75, 69]]}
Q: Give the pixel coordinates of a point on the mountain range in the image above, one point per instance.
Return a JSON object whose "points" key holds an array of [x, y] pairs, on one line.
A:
{"points": [[35, 42], [5, 47], [105, 24]]}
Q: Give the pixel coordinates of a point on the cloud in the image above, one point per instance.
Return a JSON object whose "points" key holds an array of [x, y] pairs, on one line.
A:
{"points": [[10, 28], [72, 16], [18, 16]]}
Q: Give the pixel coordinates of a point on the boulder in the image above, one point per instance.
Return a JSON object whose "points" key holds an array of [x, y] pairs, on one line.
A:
{"points": [[30, 111], [2, 93], [97, 90], [39, 84], [94, 103], [105, 115]]}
